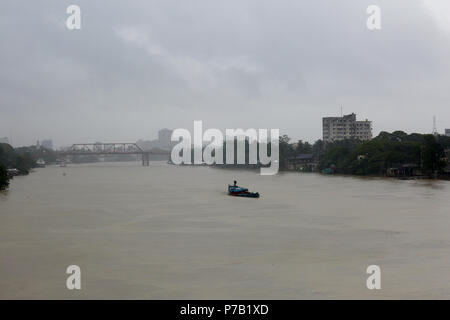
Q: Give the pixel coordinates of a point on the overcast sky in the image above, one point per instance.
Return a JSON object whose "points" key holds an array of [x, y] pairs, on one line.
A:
{"points": [[138, 66]]}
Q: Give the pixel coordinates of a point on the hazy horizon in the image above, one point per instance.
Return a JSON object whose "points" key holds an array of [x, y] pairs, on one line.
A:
{"points": [[135, 68]]}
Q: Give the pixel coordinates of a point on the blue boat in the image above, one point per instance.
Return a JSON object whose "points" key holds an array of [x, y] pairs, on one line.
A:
{"points": [[236, 191]]}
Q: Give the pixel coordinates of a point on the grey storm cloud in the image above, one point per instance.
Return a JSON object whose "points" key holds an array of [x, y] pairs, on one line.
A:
{"points": [[138, 66]]}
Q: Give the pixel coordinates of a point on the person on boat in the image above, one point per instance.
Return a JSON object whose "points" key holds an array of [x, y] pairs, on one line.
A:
{"points": [[235, 183]]}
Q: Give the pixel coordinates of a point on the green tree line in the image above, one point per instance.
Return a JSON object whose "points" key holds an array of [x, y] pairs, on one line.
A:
{"points": [[372, 157], [23, 159], [385, 151]]}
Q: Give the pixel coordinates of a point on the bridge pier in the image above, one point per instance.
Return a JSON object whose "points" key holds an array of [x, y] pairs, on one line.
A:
{"points": [[146, 159]]}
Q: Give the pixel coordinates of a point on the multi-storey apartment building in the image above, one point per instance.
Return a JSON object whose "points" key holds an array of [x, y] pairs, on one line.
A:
{"points": [[346, 127]]}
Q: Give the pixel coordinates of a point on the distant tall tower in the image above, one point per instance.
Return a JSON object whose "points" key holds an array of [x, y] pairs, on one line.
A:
{"points": [[434, 126]]}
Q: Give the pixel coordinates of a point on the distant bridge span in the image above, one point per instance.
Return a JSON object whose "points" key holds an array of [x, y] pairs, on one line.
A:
{"points": [[82, 149]]}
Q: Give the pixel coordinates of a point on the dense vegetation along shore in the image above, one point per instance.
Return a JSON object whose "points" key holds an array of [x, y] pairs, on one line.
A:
{"points": [[396, 154], [21, 160], [388, 154]]}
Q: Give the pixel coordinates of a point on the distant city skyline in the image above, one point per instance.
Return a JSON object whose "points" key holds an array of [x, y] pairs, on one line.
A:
{"points": [[49, 142]]}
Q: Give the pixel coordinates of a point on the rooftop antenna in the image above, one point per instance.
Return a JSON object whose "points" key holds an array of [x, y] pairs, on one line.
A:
{"points": [[341, 112], [10, 137], [434, 126]]}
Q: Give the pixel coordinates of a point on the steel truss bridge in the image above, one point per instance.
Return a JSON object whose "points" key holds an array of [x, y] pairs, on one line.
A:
{"points": [[83, 149]]}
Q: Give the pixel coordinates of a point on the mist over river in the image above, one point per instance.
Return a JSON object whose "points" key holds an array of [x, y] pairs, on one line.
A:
{"points": [[172, 232]]}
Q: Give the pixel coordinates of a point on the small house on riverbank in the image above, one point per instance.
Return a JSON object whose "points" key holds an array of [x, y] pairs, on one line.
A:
{"points": [[302, 162], [404, 170]]}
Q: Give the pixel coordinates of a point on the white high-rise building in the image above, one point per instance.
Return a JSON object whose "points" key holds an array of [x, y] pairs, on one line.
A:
{"points": [[346, 127]]}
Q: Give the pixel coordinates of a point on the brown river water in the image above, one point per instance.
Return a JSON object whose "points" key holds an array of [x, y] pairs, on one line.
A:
{"points": [[170, 232]]}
